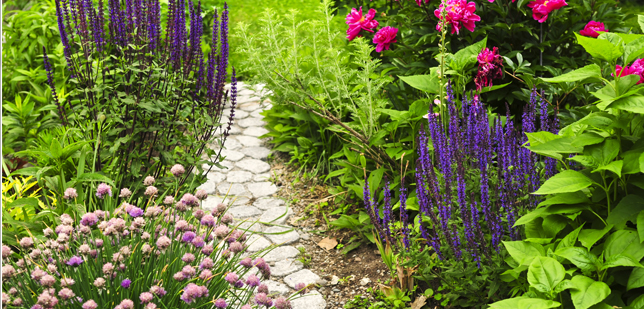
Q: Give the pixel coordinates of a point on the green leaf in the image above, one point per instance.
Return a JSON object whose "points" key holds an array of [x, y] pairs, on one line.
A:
{"points": [[523, 252], [580, 257], [620, 260], [545, 273], [600, 48], [524, 303], [531, 215], [570, 239], [640, 20], [565, 198], [632, 161], [55, 149], [638, 303], [566, 181], [556, 146], [640, 226], [588, 138], [626, 210], [467, 56], [615, 167], [624, 242], [642, 162], [95, 177], [636, 279], [634, 104], [587, 292], [346, 222], [589, 71], [634, 49], [588, 237], [427, 83]]}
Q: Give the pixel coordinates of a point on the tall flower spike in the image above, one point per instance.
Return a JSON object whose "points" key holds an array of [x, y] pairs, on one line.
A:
{"points": [[404, 217], [387, 210], [233, 101], [50, 82]]}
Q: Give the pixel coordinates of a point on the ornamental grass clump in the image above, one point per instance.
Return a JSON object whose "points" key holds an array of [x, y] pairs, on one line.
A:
{"points": [[148, 97], [164, 256]]}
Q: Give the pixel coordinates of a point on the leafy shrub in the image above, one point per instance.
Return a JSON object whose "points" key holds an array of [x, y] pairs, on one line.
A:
{"points": [[162, 256], [585, 241], [146, 102]]}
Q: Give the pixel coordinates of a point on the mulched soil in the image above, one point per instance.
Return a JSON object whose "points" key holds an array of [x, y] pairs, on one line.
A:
{"points": [[358, 270]]}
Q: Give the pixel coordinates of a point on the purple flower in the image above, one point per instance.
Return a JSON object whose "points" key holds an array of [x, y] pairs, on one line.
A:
{"points": [[208, 220], [103, 189], [188, 236], [135, 212], [220, 303], [192, 291], [126, 283], [232, 278], [75, 261], [89, 219], [252, 281], [247, 262]]}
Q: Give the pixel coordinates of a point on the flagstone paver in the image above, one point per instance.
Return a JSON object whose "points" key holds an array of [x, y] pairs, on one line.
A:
{"points": [[246, 181]]}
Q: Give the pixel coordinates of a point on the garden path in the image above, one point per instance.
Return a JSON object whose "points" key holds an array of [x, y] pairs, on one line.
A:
{"points": [[246, 181]]}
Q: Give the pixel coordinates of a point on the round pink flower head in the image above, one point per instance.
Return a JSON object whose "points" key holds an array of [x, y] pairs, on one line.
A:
{"points": [[541, 8], [236, 247], [89, 219], [151, 191], [127, 304], [384, 37], [205, 274], [208, 220], [103, 190], [150, 306], [221, 303], [227, 218], [177, 170], [458, 13], [168, 200], [282, 303], [17, 302], [246, 307], [201, 194], [247, 262], [163, 242], [7, 271], [198, 213], [70, 193], [146, 297], [263, 288], [125, 193], [591, 29], [13, 291], [188, 271], [135, 212], [300, 287], [207, 249], [263, 299], [99, 282], [232, 278], [47, 280], [190, 200], [148, 181], [26, 242], [637, 68], [90, 304], [221, 231], [358, 22], [37, 274], [207, 263], [188, 258], [66, 294], [253, 281], [198, 242], [6, 251], [67, 282]]}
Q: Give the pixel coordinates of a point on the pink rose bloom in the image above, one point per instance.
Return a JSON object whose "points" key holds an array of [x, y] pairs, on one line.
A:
{"points": [[419, 2], [384, 37], [459, 13], [541, 8], [637, 68], [358, 22], [490, 67], [591, 29]]}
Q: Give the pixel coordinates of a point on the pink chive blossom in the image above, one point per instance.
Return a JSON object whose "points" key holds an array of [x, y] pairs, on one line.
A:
{"points": [[591, 29], [490, 68], [67, 282], [253, 281], [205, 274], [246, 307], [384, 37], [6, 251], [168, 200], [148, 181], [221, 303], [151, 306], [300, 287], [198, 213], [232, 278], [13, 291], [47, 280], [458, 13], [198, 242], [207, 249], [236, 247], [17, 302], [221, 207], [90, 304], [222, 231], [99, 282], [282, 303], [26, 242], [89, 219], [227, 218], [188, 271], [151, 191], [158, 291], [146, 297], [207, 263], [103, 190], [66, 294], [135, 212], [188, 258], [127, 304], [70, 193], [357, 22], [177, 170], [7, 272], [84, 249], [263, 299], [125, 193], [163, 242], [637, 68], [541, 8], [208, 220], [201, 194], [190, 200], [247, 262], [263, 288], [188, 236], [192, 292]]}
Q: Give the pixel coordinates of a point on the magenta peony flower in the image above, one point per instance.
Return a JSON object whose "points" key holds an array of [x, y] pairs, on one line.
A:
{"points": [[490, 68], [637, 68], [358, 22], [541, 8], [384, 37], [459, 13], [591, 29]]}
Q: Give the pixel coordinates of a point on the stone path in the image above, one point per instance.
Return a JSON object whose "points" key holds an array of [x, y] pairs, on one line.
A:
{"points": [[246, 180]]}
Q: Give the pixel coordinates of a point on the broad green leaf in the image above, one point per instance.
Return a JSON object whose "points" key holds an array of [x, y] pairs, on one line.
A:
{"points": [[560, 145], [566, 181], [588, 237], [531, 215], [587, 292], [541, 137], [553, 224], [634, 104], [570, 239], [624, 242], [636, 279], [545, 273], [524, 303], [346, 222], [55, 149], [615, 167], [467, 56], [600, 48], [588, 138], [642, 162], [565, 198], [494, 87], [580, 257], [632, 161], [640, 225], [428, 83], [640, 20], [638, 303], [634, 49], [620, 260], [523, 252], [589, 71], [566, 209], [626, 210]]}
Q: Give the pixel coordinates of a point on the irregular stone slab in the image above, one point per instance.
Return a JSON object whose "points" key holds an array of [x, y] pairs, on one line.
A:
{"points": [[262, 177], [267, 203], [209, 186], [257, 243], [235, 189], [250, 141], [252, 271], [248, 104], [235, 130], [275, 287], [288, 236], [240, 200], [239, 114], [239, 176], [253, 165], [256, 152], [286, 267], [210, 203], [260, 189], [276, 215], [249, 225], [256, 113], [231, 155], [313, 300], [244, 211], [231, 143], [281, 253], [250, 122], [303, 276], [217, 177], [255, 131]]}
